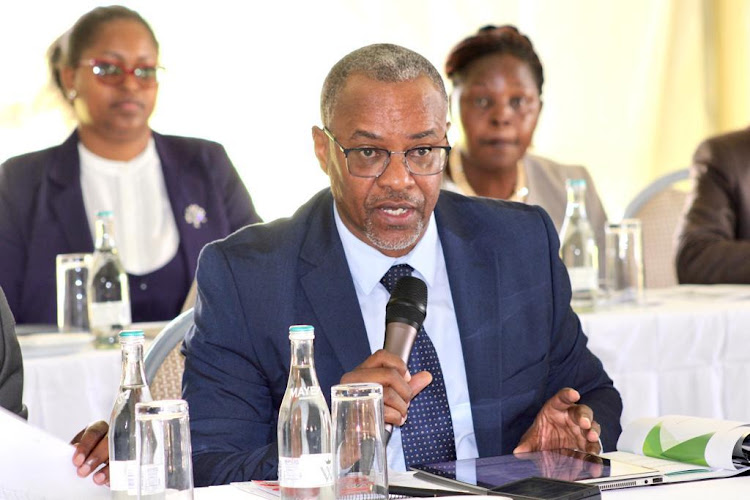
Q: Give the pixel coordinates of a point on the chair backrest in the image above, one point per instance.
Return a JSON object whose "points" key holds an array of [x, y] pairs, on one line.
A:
{"points": [[163, 361], [659, 207]]}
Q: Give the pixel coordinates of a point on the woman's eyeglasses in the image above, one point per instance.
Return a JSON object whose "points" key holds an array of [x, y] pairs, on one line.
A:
{"points": [[112, 73]]}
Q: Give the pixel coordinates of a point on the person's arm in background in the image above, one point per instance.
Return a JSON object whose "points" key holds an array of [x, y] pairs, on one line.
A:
{"points": [[709, 250], [11, 363]]}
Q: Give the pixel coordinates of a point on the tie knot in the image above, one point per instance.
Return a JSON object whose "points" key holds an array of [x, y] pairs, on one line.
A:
{"points": [[394, 274]]}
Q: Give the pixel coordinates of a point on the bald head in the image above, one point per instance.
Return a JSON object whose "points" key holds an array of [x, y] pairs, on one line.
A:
{"points": [[382, 62]]}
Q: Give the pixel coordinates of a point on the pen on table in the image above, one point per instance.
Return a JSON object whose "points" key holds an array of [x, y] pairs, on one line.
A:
{"points": [[421, 492]]}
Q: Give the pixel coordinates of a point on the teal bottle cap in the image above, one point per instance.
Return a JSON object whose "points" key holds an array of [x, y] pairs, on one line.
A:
{"points": [[131, 334], [104, 213], [301, 332]]}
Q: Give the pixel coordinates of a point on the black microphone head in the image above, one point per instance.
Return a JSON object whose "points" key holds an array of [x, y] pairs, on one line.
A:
{"points": [[408, 302]]}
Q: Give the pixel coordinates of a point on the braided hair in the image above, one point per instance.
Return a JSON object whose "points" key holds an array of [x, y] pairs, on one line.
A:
{"points": [[494, 40]]}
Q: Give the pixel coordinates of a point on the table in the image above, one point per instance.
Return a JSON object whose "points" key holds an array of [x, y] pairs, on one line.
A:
{"points": [[65, 390], [686, 350], [735, 487]]}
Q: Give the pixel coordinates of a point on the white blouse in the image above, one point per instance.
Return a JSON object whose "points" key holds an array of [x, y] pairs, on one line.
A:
{"points": [[145, 229]]}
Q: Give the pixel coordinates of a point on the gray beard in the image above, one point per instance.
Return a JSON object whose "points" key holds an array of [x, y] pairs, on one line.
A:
{"points": [[393, 245]]}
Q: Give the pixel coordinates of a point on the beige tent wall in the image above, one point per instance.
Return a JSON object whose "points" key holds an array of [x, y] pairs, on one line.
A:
{"points": [[632, 85]]}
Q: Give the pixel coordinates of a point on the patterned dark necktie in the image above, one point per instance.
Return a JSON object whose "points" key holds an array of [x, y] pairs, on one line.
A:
{"points": [[427, 435]]}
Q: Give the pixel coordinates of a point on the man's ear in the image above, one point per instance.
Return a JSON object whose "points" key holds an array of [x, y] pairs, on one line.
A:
{"points": [[321, 142]]}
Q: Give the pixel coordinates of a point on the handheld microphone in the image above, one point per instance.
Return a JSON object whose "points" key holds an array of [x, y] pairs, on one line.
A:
{"points": [[404, 315]]}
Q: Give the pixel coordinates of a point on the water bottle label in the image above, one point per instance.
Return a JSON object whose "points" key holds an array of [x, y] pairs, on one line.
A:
{"points": [[105, 314], [122, 475], [152, 479], [583, 278], [306, 471]]}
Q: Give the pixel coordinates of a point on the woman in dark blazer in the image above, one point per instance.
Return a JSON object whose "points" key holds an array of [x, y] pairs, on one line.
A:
{"points": [[171, 195]]}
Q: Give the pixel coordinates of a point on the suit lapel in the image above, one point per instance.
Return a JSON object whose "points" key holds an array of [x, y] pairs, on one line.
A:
{"points": [[328, 286], [179, 185], [473, 277], [66, 197]]}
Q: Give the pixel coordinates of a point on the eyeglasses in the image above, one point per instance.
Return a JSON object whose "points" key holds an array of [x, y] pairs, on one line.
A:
{"points": [[112, 73], [372, 162]]}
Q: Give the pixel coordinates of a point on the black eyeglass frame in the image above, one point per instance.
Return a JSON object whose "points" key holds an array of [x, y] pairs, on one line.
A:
{"points": [[387, 162]]}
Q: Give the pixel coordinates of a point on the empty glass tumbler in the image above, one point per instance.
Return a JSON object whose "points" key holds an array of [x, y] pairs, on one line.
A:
{"points": [[623, 271], [72, 273], [164, 464], [359, 460]]}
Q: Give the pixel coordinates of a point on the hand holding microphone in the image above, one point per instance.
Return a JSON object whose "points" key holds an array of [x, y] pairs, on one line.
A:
{"points": [[404, 314]]}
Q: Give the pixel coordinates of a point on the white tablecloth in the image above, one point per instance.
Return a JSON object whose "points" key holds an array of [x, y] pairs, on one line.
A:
{"points": [[686, 351], [65, 391]]}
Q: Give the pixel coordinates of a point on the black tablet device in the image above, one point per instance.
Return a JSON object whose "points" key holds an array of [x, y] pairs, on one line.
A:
{"points": [[543, 488], [487, 473]]}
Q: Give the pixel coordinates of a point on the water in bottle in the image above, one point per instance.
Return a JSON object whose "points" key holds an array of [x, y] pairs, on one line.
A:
{"points": [[122, 444], [578, 248], [304, 428], [108, 294]]}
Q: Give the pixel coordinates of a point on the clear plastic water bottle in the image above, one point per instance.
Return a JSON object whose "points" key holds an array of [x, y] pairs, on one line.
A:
{"points": [[133, 389], [578, 248], [108, 294], [304, 428]]}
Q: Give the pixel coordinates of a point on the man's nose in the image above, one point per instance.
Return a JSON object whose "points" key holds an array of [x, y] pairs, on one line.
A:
{"points": [[396, 174]]}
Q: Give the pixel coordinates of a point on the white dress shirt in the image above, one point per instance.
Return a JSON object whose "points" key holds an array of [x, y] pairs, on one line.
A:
{"points": [[145, 230], [367, 266]]}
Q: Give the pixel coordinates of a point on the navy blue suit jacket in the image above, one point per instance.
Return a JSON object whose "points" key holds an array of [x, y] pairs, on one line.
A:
{"points": [[42, 214], [521, 341]]}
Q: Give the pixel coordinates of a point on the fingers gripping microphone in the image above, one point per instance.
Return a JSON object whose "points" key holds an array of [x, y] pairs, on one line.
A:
{"points": [[404, 315]]}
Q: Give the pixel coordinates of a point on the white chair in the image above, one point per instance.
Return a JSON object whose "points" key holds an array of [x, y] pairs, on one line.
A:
{"points": [[163, 361], [659, 206]]}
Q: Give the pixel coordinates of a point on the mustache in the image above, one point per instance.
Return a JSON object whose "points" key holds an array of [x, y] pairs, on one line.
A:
{"points": [[395, 197]]}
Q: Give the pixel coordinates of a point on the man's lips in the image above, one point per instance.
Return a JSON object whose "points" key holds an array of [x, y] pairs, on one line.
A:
{"points": [[393, 209]]}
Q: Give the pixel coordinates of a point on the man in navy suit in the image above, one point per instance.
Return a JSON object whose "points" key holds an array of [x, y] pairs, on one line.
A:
{"points": [[516, 371]]}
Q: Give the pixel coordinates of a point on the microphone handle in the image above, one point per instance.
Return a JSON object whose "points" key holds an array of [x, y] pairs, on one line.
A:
{"points": [[399, 339]]}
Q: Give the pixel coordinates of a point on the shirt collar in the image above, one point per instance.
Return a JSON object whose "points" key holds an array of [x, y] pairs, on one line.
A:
{"points": [[368, 265], [457, 175]]}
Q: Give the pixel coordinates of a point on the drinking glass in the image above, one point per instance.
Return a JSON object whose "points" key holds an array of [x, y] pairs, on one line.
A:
{"points": [[72, 271], [359, 460], [623, 266], [164, 467]]}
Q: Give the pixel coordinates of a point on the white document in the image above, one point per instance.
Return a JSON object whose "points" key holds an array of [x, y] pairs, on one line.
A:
{"points": [[682, 448], [699, 441], [37, 466]]}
